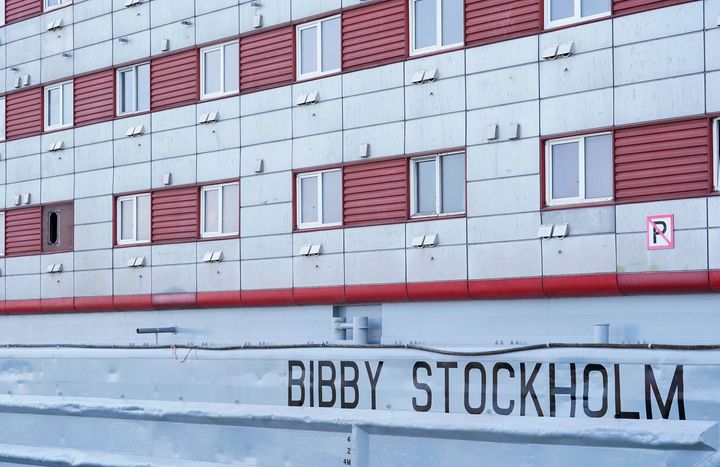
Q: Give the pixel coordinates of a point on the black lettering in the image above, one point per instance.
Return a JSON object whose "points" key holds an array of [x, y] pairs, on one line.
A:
{"points": [[559, 390], [373, 382], [618, 399], [422, 386], [483, 381], [526, 387], [349, 384], [676, 387], [446, 366], [663, 229], [299, 382], [326, 383], [590, 368], [312, 383], [511, 371]]}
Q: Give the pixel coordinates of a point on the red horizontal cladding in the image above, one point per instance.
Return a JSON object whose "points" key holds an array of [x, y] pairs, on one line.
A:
{"points": [[376, 293], [229, 299], [24, 113], [16, 10], [267, 59], [22, 307], [57, 305], [714, 277], [625, 7], [374, 35], [375, 192], [319, 295], [174, 300], [664, 282], [132, 302], [23, 231], [662, 160], [174, 215], [431, 291], [94, 97], [174, 80], [495, 20], [90, 304], [492, 289], [271, 297], [587, 285]]}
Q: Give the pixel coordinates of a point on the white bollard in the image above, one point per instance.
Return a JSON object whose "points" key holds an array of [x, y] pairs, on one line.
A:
{"points": [[602, 333], [360, 330]]}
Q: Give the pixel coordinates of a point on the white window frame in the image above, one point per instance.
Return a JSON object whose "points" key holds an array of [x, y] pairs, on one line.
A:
{"points": [[60, 4], [119, 89], [3, 123], [298, 189], [438, 31], [580, 199], [716, 154], [221, 202], [46, 103], [2, 233], [576, 18], [222, 92], [118, 210], [414, 214], [298, 52]]}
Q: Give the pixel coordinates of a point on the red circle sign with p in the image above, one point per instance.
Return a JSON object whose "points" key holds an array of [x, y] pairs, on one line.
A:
{"points": [[661, 232]]}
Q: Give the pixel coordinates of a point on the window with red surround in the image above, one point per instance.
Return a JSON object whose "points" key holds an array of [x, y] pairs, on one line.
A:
{"points": [[662, 161], [374, 35], [174, 215], [174, 80], [23, 231], [267, 59], [24, 112], [496, 20]]}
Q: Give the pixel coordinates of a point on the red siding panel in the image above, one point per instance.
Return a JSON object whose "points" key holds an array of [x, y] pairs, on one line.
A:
{"points": [[495, 20], [24, 113], [625, 7], [16, 10], [174, 80], [374, 35], [666, 160], [267, 59], [174, 215], [23, 231], [95, 97], [375, 193]]}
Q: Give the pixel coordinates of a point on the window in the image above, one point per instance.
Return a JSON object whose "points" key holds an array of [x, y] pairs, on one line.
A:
{"points": [[220, 210], [50, 4], [562, 12], [133, 219], [58, 226], [579, 170], [716, 152], [59, 106], [435, 25], [319, 199], [437, 185], [2, 119], [318, 48], [220, 70], [2, 233], [133, 89]]}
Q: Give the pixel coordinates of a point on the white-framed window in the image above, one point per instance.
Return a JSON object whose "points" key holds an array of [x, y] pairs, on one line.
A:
{"points": [[437, 185], [318, 48], [2, 119], [59, 105], [2, 233], [562, 12], [220, 210], [716, 153], [220, 70], [436, 25], [133, 219], [2, 13], [319, 199], [579, 169], [133, 89], [50, 4]]}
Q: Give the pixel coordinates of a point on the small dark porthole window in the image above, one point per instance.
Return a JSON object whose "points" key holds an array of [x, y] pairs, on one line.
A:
{"points": [[58, 227]]}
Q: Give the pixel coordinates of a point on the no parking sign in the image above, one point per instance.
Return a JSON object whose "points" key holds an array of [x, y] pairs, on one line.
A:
{"points": [[661, 232]]}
